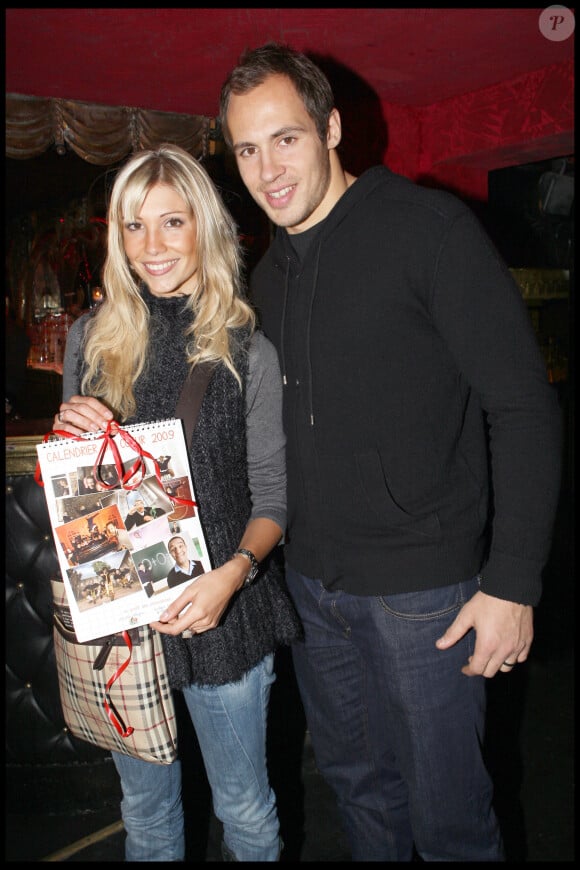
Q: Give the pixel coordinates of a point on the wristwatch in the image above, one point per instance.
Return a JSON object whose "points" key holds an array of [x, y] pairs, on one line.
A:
{"points": [[254, 566]]}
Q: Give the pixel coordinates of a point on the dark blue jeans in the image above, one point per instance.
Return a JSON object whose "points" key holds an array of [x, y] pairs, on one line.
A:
{"points": [[396, 728]]}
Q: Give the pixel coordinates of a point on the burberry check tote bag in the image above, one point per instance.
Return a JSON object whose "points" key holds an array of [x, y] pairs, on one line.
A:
{"points": [[114, 691]]}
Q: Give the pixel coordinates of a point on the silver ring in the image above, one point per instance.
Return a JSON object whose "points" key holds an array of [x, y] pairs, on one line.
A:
{"points": [[510, 664], [60, 417]]}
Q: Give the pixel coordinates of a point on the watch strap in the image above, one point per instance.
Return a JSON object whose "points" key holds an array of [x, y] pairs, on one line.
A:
{"points": [[254, 564]]}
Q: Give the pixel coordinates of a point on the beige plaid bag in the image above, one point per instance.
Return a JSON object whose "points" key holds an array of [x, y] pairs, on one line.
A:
{"points": [[114, 691]]}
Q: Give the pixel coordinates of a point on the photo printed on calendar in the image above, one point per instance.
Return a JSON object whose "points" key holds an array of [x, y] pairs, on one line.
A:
{"points": [[125, 522]]}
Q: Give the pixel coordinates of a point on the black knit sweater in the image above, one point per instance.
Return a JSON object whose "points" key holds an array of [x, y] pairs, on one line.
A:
{"points": [[260, 618]]}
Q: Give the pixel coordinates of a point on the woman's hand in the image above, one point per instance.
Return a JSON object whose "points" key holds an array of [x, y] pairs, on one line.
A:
{"points": [[202, 604], [82, 414]]}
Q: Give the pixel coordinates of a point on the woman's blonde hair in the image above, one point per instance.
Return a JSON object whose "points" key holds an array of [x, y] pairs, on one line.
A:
{"points": [[116, 347]]}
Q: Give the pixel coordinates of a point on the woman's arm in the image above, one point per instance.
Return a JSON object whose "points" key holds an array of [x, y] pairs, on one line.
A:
{"points": [[204, 602], [265, 433], [78, 414]]}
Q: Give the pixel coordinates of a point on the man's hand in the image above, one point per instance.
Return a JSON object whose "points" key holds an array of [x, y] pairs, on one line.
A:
{"points": [[504, 632]]}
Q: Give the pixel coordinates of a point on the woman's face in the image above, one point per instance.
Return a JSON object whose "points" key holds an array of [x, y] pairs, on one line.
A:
{"points": [[161, 243]]}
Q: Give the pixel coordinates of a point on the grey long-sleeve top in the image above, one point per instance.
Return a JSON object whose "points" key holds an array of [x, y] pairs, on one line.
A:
{"points": [[266, 442]]}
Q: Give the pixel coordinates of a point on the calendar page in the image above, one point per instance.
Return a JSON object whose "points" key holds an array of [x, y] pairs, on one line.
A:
{"points": [[125, 523]]}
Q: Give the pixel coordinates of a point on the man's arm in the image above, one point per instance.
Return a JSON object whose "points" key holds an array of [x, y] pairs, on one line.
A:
{"points": [[479, 311]]}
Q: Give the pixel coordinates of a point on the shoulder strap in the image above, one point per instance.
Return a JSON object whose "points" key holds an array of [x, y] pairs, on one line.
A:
{"points": [[192, 396]]}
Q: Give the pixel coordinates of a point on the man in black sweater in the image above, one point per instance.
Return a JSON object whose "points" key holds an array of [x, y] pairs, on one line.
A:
{"points": [[423, 457]]}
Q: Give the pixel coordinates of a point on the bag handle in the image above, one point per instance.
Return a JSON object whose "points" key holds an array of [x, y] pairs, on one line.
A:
{"points": [[192, 396], [188, 410]]}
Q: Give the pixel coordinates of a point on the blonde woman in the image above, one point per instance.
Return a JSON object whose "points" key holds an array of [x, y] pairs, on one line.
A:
{"points": [[173, 299]]}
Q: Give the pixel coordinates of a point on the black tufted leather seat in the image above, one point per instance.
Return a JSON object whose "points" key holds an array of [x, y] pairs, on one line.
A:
{"points": [[45, 764]]}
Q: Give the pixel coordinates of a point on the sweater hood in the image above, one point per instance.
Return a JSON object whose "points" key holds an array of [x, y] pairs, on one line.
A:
{"points": [[361, 188], [282, 254]]}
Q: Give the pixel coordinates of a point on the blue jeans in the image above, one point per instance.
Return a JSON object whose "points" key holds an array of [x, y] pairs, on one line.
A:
{"points": [[230, 723], [396, 728]]}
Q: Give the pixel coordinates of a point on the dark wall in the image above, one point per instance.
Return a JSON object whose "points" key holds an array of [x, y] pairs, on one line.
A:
{"points": [[528, 231]]}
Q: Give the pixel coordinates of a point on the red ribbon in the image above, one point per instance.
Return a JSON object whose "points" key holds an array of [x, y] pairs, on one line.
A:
{"points": [[138, 468], [110, 708], [62, 434]]}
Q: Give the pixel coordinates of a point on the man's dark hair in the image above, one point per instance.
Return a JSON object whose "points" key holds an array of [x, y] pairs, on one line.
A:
{"points": [[273, 58]]}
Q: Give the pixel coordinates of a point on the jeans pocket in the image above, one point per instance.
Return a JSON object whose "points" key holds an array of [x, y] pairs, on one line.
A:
{"points": [[430, 603]]}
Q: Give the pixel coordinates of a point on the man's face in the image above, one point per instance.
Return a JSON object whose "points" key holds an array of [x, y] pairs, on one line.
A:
{"points": [[178, 551], [281, 159]]}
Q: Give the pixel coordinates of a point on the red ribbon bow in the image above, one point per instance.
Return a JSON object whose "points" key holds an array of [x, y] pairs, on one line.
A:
{"points": [[135, 473]]}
